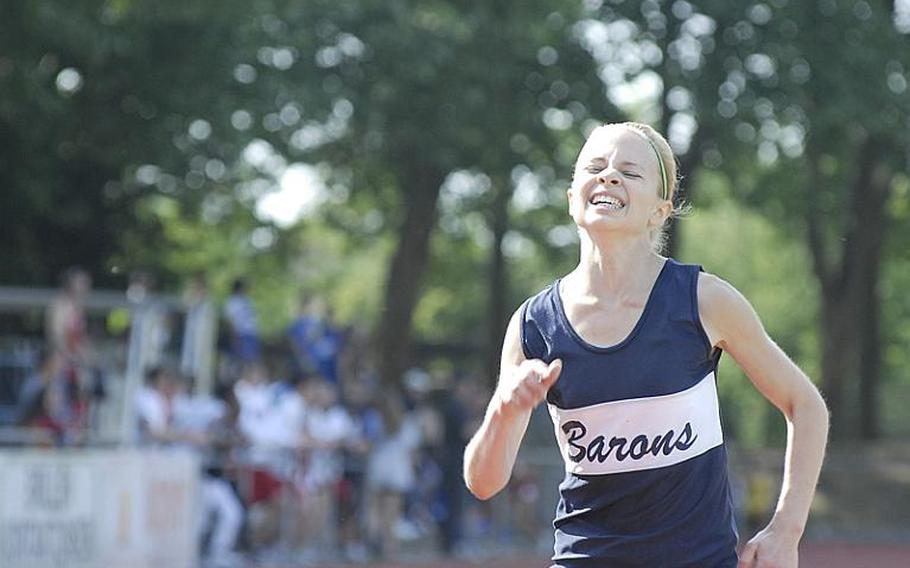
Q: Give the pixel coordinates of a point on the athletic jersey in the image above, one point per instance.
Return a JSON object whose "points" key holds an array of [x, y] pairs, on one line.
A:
{"points": [[638, 427]]}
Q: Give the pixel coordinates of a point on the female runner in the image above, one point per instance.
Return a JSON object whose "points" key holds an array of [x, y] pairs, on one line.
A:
{"points": [[625, 349]]}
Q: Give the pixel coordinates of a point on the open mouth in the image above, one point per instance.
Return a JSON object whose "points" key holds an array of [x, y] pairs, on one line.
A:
{"points": [[608, 201]]}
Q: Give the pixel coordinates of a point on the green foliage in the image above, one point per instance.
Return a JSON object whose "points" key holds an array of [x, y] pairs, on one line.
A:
{"points": [[126, 127], [896, 314], [751, 252]]}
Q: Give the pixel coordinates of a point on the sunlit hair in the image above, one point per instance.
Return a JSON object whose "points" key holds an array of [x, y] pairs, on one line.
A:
{"points": [[667, 159]]}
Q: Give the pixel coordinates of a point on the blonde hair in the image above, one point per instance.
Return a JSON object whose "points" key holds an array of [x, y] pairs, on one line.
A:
{"points": [[668, 187]]}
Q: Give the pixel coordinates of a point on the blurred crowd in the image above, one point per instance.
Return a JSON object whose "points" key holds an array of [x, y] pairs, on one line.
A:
{"points": [[305, 456]]}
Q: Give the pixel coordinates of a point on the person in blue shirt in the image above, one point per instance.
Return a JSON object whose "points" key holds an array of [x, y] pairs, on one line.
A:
{"points": [[624, 350], [243, 324], [315, 341]]}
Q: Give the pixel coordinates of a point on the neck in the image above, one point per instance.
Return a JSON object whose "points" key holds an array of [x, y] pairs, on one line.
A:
{"points": [[614, 265]]}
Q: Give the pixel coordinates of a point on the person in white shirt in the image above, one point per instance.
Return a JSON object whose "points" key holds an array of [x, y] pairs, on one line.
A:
{"points": [[168, 416], [328, 429], [390, 471]]}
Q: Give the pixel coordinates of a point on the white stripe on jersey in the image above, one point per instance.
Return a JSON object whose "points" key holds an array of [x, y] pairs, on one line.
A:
{"points": [[640, 433]]}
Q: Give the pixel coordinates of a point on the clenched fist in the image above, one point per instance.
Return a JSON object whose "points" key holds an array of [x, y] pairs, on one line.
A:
{"points": [[527, 385]]}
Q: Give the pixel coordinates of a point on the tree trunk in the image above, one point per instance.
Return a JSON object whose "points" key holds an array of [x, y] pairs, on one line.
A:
{"points": [[870, 364], [839, 355], [873, 219], [850, 302], [498, 281], [393, 336]]}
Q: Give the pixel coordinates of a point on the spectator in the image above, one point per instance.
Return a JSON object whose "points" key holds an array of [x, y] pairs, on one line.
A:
{"points": [[66, 328], [424, 507], [168, 416], [198, 333], [212, 424], [457, 428], [35, 403], [315, 341], [302, 333], [271, 413], [155, 407], [328, 430], [149, 333], [390, 472], [66, 325], [366, 422], [243, 325], [271, 418]]}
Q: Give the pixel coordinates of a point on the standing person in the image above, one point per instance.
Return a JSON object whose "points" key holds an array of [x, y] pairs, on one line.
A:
{"points": [[66, 329], [149, 326], [315, 341], [66, 322], [302, 334], [624, 349], [328, 347], [327, 432], [198, 345], [148, 336], [455, 414], [243, 324], [167, 416], [366, 425], [390, 473]]}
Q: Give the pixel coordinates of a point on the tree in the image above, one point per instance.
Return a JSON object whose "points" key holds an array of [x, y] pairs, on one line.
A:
{"points": [[91, 92], [844, 159], [790, 86], [436, 88]]}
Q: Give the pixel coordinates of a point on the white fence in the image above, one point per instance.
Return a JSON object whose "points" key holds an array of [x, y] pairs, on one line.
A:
{"points": [[98, 508]]}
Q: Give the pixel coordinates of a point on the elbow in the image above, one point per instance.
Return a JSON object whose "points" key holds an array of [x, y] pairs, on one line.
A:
{"points": [[823, 411], [811, 406], [484, 478], [482, 491], [480, 486], [817, 403]]}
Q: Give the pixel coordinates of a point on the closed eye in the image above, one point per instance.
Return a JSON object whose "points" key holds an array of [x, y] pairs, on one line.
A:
{"points": [[596, 169]]}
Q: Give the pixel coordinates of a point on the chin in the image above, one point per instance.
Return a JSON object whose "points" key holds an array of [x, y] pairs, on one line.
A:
{"points": [[606, 227], [603, 223]]}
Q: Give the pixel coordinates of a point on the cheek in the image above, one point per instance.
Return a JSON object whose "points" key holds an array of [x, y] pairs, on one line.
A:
{"points": [[574, 204]]}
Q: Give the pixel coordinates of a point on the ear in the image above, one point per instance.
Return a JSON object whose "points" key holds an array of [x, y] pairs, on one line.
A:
{"points": [[661, 213]]}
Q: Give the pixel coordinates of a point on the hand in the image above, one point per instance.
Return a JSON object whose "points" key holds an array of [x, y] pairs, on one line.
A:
{"points": [[770, 549], [527, 385]]}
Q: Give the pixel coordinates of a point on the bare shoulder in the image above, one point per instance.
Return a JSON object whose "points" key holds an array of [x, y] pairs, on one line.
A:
{"points": [[512, 350], [715, 292], [724, 311]]}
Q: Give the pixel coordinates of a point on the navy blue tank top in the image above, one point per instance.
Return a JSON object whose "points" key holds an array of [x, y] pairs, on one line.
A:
{"points": [[638, 427]]}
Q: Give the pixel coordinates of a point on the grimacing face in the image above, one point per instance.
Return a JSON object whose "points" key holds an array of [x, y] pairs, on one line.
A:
{"points": [[617, 184]]}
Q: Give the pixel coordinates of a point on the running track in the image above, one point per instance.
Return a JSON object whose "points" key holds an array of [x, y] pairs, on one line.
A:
{"points": [[812, 555]]}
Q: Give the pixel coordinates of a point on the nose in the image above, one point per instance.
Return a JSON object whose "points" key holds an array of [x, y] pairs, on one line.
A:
{"points": [[608, 176]]}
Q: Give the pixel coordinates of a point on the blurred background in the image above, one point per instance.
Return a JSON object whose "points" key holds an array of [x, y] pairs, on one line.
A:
{"points": [[257, 259]]}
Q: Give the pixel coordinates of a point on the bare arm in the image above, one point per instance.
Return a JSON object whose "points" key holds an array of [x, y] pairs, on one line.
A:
{"points": [[523, 384], [733, 325]]}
